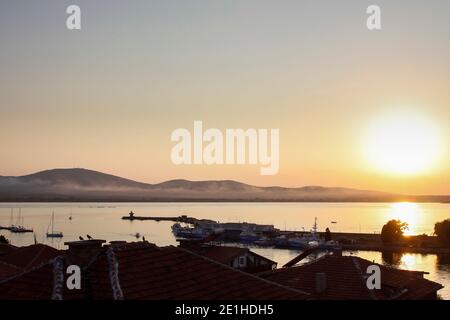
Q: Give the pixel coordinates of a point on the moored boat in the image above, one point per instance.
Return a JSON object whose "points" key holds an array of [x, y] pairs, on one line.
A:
{"points": [[54, 234], [249, 236]]}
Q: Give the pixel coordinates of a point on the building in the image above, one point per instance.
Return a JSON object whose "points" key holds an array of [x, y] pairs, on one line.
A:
{"points": [[7, 270], [335, 277], [144, 271], [29, 257], [6, 248], [141, 271], [239, 258]]}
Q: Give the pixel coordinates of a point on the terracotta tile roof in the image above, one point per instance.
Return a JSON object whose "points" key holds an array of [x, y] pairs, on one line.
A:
{"points": [[30, 256], [150, 272], [221, 254], [6, 249], [139, 271], [224, 254], [35, 284], [7, 270], [346, 279]]}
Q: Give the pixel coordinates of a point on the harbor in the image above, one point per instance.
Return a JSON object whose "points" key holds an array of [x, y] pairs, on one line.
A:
{"points": [[357, 229], [192, 229]]}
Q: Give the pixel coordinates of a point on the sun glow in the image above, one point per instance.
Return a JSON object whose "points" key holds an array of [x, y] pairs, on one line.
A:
{"points": [[404, 143], [406, 212]]}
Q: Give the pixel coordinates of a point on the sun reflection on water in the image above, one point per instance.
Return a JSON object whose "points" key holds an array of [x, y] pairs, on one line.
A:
{"points": [[408, 262]]}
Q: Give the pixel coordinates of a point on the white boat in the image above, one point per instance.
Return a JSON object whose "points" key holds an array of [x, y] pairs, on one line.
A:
{"points": [[309, 240], [185, 232], [54, 234]]}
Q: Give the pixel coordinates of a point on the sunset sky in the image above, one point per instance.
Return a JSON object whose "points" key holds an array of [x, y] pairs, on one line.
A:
{"points": [[107, 97]]}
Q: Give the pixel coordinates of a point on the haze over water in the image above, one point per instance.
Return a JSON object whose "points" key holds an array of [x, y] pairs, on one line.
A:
{"points": [[103, 220]]}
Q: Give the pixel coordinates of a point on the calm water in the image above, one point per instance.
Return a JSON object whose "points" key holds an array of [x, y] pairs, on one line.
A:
{"points": [[103, 220]]}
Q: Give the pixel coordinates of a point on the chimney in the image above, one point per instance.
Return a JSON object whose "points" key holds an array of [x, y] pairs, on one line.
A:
{"points": [[190, 243], [117, 242], [321, 282], [81, 252]]}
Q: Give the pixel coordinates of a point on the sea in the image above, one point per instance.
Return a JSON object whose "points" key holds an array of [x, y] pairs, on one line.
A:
{"points": [[103, 221]]}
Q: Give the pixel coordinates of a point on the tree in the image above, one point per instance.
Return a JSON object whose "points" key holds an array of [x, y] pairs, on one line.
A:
{"points": [[3, 239], [442, 231], [393, 231]]}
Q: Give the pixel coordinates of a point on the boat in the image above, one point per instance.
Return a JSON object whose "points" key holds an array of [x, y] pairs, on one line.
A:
{"points": [[19, 228], [309, 240], [54, 234], [188, 233], [264, 242], [10, 222], [303, 242], [331, 245], [249, 236], [281, 241]]}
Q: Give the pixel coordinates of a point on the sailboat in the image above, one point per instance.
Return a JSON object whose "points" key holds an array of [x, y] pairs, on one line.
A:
{"points": [[10, 222], [20, 225], [54, 234]]}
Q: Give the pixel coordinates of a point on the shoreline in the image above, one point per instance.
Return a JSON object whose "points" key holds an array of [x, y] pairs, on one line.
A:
{"points": [[397, 249]]}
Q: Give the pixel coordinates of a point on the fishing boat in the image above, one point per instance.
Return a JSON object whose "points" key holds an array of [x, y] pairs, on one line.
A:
{"points": [[54, 234], [331, 245], [265, 242], [308, 240], [188, 233], [303, 242], [249, 236]]}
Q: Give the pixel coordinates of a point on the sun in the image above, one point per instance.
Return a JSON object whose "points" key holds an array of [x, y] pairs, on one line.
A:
{"points": [[402, 142]]}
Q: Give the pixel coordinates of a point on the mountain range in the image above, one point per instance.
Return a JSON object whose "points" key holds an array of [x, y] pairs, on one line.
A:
{"points": [[87, 185]]}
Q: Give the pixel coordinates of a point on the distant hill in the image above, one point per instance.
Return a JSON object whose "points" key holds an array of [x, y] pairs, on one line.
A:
{"points": [[88, 185]]}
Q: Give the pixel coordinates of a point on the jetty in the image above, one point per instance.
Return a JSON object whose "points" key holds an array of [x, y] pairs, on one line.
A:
{"points": [[183, 218]]}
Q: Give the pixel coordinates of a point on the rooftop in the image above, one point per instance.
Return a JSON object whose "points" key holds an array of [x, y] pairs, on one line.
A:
{"points": [[30, 256], [223, 254], [141, 270], [346, 280]]}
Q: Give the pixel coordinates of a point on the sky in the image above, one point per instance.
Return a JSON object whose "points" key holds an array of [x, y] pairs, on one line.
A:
{"points": [[107, 97]]}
